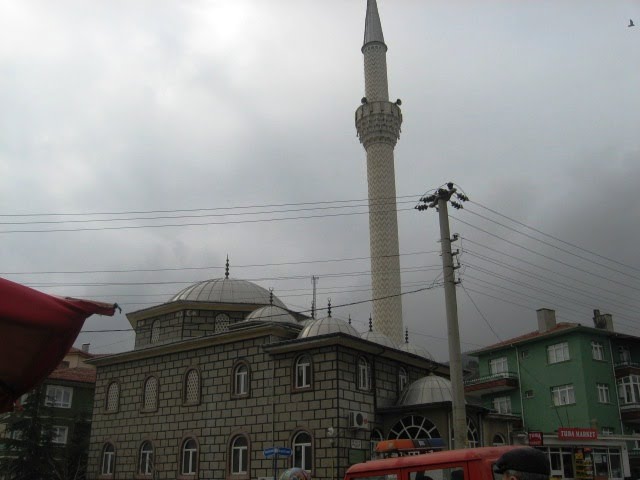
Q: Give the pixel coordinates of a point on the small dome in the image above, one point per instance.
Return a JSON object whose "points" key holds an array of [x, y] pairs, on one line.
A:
{"points": [[327, 325], [271, 313], [379, 338], [227, 290], [416, 350], [429, 389]]}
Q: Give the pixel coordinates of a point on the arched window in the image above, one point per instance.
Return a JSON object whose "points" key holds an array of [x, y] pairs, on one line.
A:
{"points": [[113, 397], [303, 372], [376, 436], [472, 434], [189, 457], [150, 395], [239, 455], [302, 456], [403, 377], [241, 379], [146, 459], [155, 331], [364, 374], [191, 392], [498, 440], [108, 459], [414, 427]]}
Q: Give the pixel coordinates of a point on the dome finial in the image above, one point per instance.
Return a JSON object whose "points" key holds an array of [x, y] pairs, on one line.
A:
{"points": [[313, 309], [349, 319], [226, 269], [370, 324], [329, 308], [406, 335], [271, 296]]}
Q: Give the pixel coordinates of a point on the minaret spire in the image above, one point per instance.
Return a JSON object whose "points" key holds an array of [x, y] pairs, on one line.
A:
{"points": [[372, 25], [378, 123]]}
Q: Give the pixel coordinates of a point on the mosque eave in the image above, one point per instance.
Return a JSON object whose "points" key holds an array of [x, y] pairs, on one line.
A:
{"points": [[180, 305], [238, 334], [366, 346]]}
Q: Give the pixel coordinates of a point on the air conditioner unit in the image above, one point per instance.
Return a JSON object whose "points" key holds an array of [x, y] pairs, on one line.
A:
{"points": [[358, 420]]}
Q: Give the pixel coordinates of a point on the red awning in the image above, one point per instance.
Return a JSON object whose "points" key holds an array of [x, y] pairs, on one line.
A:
{"points": [[36, 332]]}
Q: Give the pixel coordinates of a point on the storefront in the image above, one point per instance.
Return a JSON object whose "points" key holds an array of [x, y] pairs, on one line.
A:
{"points": [[581, 454]]}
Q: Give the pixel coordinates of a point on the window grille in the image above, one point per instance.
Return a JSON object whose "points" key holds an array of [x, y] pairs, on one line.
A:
{"points": [[113, 396], [192, 387], [151, 393]]}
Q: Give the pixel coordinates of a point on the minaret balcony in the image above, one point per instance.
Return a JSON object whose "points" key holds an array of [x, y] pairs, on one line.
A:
{"points": [[378, 122], [494, 383]]}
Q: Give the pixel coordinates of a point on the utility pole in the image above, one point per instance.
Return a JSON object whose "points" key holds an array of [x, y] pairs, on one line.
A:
{"points": [[439, 201]]}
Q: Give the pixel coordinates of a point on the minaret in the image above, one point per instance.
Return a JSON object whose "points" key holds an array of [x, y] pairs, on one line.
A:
{"points": [[378, 123]]}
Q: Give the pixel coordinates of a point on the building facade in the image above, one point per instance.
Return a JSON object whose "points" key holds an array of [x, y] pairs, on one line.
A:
{"points": [[223, 372], [575, 390]]}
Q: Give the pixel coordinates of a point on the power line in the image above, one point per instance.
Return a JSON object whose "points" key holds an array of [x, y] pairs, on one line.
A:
{"points": [[210, 267], [558, 239]]}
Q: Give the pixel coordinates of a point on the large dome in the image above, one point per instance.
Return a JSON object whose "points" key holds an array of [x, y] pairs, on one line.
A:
{"points": [[429, 389], [327, 325], [271, 313], [227, 290]]}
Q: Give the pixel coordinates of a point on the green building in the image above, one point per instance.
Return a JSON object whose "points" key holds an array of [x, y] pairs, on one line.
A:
{"points": [[574, 391], [68, 397]]}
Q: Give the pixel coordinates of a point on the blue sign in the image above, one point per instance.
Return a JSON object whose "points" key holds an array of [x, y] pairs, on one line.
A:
{"points": [[284, 451], [269, 452]]}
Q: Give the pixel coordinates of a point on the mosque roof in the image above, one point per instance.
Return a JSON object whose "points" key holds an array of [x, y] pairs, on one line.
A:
{"points": [[271, 313], [380, 338], [326, 326], [429, 389], [416, 350], [227, 290]]}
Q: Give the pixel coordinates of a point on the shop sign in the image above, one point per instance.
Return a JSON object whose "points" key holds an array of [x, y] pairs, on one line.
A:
{"points": [[571, 433], [536, 439]]}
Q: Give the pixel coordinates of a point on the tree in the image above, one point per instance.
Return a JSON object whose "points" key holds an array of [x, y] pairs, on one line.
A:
{"points": [[29, 452], [73, 464]]}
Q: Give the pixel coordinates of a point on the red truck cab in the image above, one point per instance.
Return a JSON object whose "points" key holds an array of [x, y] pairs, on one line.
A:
{"points": [[465, 464]]}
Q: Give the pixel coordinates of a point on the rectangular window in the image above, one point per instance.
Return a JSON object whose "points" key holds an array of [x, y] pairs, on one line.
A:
{"points": [[524, 354], [59, 435], [597, 350], [629, 389], [624, 354], [563, 395], [58, 396], [502, 404], [498, 365], [558, 352], [603, 393], [607, 430], [528, 394]]}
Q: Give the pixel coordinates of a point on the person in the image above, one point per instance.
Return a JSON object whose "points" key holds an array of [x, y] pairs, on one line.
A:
{"points": [[525, 463]]}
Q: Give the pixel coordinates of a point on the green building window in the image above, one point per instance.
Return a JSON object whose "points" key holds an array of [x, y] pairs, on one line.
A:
{"points": [[597, 350], [603, 393], [502, 404], [563, 395], [498, 365], [558, 352], [629, 389]]}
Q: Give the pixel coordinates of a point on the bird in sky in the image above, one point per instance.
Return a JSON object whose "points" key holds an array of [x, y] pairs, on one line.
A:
{"points": [[631, 24]]}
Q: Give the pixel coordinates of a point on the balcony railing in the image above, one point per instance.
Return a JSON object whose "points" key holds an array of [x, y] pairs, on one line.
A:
{"points": [[626, 364], [491, 378]]}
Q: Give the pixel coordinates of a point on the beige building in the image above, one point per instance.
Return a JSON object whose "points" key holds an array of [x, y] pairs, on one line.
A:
{"points": [[224, 371]]}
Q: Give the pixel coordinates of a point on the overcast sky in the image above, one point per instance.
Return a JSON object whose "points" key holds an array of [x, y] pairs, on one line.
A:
{"points": [[189, 107]]}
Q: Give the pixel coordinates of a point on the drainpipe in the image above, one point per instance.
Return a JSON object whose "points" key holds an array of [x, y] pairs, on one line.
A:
{"points": [[615, 380], [520, 387]]}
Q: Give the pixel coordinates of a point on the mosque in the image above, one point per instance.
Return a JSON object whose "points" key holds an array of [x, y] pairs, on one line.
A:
{"points": [[226, 382]]}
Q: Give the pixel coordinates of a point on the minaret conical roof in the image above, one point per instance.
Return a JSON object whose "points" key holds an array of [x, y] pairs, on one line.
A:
{"points": [[372, 25]]}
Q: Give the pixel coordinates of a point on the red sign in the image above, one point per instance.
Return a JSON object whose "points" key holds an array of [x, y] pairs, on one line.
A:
{"points": [[569, 433], [535, 439]]}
